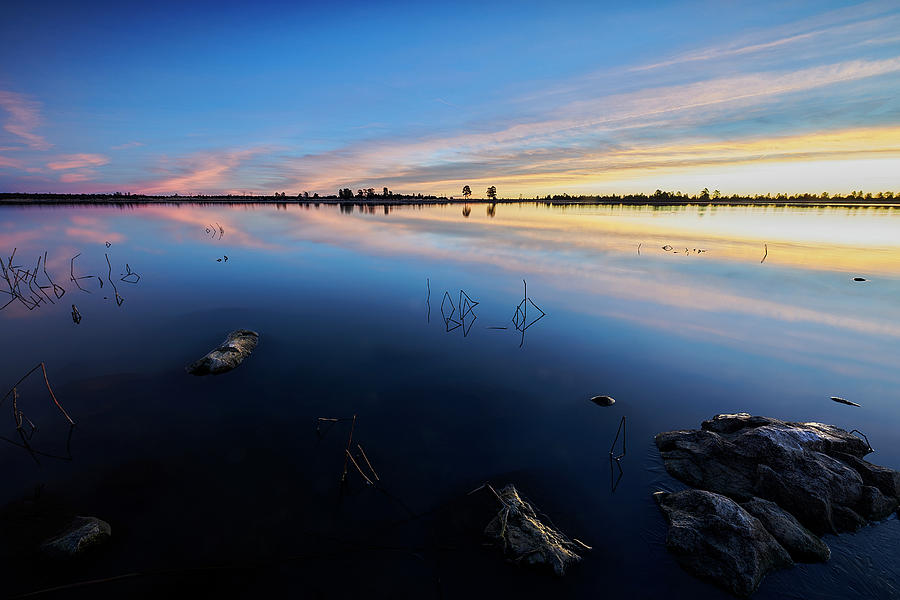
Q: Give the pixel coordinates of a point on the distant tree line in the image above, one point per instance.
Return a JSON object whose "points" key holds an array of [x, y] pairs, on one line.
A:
{"points": [[716, 196], [369, 194]]}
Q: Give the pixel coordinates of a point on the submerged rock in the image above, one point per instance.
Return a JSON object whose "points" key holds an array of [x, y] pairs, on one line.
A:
{"points": [[603, 400], [799, 541], [232, 352], [525, 539], [714, 538], [80, 535], [796, 465], [840, 400]]}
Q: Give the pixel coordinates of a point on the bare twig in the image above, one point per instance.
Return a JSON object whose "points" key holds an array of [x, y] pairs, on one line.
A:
{"points": [[349, 442], [619, 431], [355, 464], [49, 389], [366, 458]]}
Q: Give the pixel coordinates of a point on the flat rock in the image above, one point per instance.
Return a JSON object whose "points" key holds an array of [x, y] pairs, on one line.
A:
{"points": [[714, 538], [527, 540], [603, 400], [79, 536], [796, 465], [799, 541], [232, 352]]}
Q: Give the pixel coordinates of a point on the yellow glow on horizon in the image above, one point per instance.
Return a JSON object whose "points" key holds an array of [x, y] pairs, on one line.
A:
{"points": [[837, 162]]}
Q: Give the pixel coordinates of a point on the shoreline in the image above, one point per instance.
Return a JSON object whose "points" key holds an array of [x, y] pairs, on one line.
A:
{"points": [[77, 200]]}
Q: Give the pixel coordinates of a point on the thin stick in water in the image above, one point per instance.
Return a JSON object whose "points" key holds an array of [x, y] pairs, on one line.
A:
{"points": [[349, 442], [366, 458]]}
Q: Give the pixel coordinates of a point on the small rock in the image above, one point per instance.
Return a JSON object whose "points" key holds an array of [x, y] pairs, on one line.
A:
{"points": [[859, 279], [714, 538], [603, 400], [799, 541], [236, 347], [80, 535], [842, 401], [527, 540]]}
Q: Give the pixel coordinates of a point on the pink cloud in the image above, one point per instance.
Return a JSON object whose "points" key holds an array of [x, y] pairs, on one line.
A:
{"points": [[78, 161], [75, 176], [202, 173], [11, 163], [24, 118]]}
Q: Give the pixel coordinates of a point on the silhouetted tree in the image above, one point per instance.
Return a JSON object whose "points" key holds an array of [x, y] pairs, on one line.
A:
{"points": [[704, 194], [386, 193], [467, 191], [716, 194], [492, 193]]}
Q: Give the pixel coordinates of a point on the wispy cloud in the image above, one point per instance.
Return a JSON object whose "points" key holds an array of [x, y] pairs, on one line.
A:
{"points": [[23, 117], [208, 172], [77, 161], [127, 145], [665, 126]]}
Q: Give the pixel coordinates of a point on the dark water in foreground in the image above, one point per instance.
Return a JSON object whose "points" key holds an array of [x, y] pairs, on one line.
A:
{"points": [[222, 485]]}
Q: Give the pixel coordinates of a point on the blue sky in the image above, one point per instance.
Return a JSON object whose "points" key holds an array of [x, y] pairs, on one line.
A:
{"points": [[534, 98]]}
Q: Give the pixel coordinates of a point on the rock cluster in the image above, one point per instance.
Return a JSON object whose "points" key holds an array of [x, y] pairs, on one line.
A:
{"points": [[792, 479], [232, 352]]}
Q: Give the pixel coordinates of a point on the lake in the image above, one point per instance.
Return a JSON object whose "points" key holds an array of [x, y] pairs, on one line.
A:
{"points": [[231, 485]]}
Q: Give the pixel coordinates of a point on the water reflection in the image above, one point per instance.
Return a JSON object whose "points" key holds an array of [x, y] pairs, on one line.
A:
{"points": [[336, 292]]}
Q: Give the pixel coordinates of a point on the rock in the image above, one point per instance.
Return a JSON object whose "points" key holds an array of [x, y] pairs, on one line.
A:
{"points": [[79, 536], [846, 519], [840, 400], [795, 465], [885, 479], [799, 541], [874, 505], [603, 400], [232, 352], [714, 538], [526, 540], [859, 279]]}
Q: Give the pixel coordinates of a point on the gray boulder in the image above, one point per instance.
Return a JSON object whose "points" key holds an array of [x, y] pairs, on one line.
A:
{"points": [[796, 465], [82, 534], [527, 540], [802, 545], [232, 352], [714, 538]]}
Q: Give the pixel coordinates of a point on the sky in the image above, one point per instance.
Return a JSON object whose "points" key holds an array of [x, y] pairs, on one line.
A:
{"points": [[534, 98]]}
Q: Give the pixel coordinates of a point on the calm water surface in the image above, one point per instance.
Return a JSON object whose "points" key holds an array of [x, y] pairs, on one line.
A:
{"points": [[223, 485]]}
